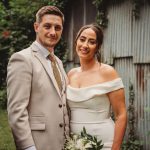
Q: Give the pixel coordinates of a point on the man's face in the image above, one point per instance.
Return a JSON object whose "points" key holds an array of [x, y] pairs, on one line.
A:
{"points": [[49, 30]]}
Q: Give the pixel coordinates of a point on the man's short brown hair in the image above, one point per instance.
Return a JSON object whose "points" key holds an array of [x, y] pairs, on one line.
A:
{"points": [[52, 10]]}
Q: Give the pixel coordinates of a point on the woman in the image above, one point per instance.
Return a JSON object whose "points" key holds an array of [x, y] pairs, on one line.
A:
{"points": [[93, 88]]}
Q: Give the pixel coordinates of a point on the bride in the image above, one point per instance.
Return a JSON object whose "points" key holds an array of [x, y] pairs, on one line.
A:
{"points": [[94, 88]]}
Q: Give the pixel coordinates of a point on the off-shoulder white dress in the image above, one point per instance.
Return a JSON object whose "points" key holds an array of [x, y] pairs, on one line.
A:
{"points": [[90, 107]]}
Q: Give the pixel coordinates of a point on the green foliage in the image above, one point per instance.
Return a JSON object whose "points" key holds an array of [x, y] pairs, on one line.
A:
{"points": [[101, 17], [83, 141], [61, 50], [6, 139], [17, 32], [97, 145], [132, 145], [132, 142], [147, 109], [137, 4], [59, 3], [3, 98]]}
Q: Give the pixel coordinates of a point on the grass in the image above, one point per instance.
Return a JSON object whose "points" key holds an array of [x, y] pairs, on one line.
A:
{"points": [[6, 139]]}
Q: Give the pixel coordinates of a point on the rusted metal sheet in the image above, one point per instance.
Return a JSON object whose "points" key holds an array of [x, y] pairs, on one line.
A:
{"points": [[139, 76]]}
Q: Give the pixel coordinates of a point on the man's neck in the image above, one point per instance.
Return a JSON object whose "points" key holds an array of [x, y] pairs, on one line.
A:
{"points": [[50, 49]]}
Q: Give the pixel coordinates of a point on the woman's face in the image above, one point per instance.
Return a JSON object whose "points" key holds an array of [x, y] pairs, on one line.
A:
{"points": [[86, 45]]}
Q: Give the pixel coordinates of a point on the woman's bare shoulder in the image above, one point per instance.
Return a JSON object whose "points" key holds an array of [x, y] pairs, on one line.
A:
{"points": [[109, 72], [72, 71]]}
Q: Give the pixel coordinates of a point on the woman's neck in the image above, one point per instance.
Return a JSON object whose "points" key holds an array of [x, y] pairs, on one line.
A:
{"points": [[87, 65]]}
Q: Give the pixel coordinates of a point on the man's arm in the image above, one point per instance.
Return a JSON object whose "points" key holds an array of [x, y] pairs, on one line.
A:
{"points": [[19, 76]]}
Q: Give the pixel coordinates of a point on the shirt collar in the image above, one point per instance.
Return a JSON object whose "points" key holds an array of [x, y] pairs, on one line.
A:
{"points": [[42, 49]]}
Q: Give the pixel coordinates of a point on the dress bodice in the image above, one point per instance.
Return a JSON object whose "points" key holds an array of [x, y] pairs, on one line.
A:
{"points": [[78, 94], [91, 104]]}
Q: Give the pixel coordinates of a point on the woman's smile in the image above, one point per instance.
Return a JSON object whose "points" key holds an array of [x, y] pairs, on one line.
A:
{"points": [[84, 50]]}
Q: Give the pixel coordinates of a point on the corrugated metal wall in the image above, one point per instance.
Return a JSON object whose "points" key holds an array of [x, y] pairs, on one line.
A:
{"points": [[118, 37], [126, 47], [139, 76], [126, 36]]}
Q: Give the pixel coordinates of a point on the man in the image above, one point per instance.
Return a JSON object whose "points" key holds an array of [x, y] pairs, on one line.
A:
{"points": [[36, 104]]}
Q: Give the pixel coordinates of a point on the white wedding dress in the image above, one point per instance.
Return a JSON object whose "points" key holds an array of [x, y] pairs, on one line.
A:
{"points": [[90, 108]]}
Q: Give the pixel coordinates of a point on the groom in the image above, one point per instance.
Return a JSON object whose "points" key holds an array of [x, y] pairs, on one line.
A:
{"points": [[36, 101]]}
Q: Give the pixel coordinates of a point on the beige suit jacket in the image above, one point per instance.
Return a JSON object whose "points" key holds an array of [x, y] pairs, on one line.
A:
{"points": [[37, 110]]}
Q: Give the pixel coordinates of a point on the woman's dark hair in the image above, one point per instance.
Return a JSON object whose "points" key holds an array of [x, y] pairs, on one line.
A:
{"points": [[99, 37]]}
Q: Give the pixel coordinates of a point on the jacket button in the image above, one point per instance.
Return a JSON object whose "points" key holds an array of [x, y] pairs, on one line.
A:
{"points": [[60, 105], [61, 125]]}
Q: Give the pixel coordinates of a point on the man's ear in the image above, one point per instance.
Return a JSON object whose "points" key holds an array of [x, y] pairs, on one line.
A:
{"points": [[36, 27]]}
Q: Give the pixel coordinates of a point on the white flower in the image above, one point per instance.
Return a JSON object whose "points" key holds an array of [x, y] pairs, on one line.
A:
{"points": [[88, 145], [83, 141], [80, 144]]}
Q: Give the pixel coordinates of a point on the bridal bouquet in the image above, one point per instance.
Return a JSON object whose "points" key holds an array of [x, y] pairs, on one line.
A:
{"points": [[83, 141]]}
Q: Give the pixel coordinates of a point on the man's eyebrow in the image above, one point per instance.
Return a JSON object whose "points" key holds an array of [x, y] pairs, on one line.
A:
{"points": [[47, 23]]}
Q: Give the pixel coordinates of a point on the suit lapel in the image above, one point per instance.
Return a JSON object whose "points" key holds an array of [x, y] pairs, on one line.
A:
{"points": [[46, 66]]}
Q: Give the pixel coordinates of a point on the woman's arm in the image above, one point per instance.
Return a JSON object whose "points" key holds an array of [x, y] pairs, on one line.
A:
{"points": [[117, 100]]}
